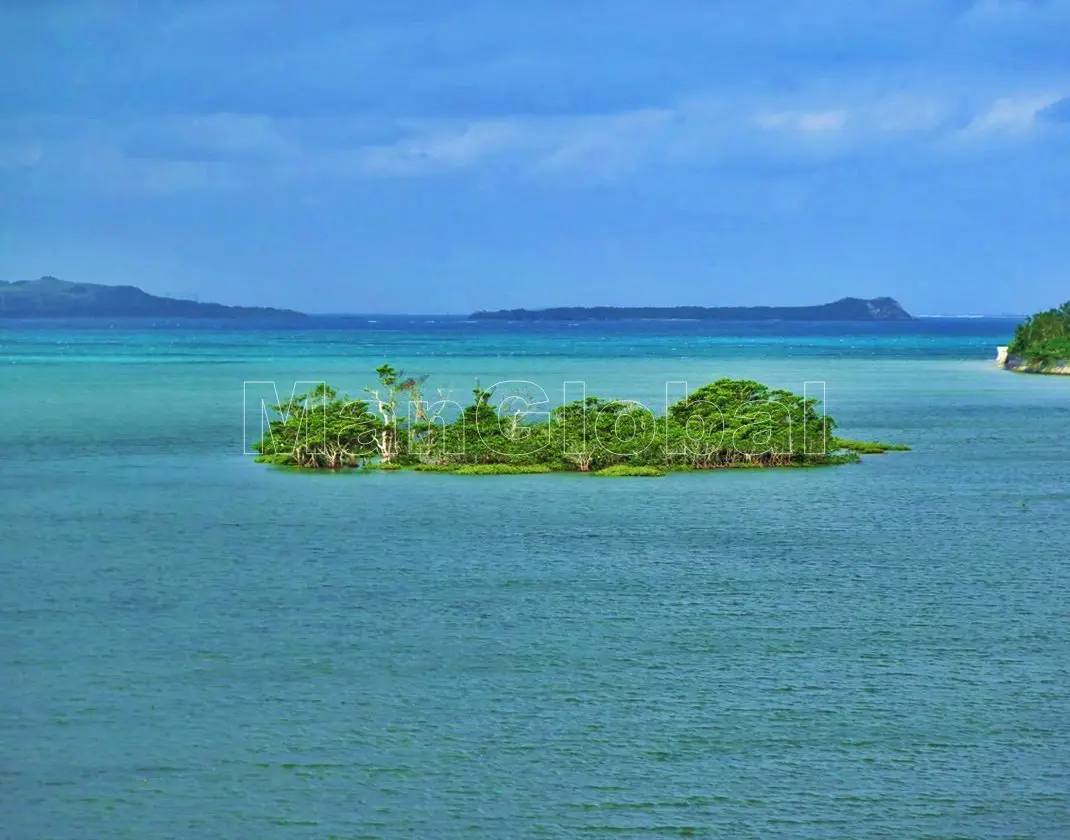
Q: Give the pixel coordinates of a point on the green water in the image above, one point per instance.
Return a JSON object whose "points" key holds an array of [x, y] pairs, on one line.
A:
{"points": [[195, 646]]}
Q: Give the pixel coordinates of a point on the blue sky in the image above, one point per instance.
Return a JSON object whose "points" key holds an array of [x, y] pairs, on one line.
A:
{"points": [[441, 156]]}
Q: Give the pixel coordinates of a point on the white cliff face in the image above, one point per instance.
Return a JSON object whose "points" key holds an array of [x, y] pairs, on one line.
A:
{"points": [[1001, 356]]}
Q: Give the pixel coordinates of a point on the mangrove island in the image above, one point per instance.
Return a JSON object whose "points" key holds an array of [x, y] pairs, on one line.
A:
{"points": [[726, 424]]}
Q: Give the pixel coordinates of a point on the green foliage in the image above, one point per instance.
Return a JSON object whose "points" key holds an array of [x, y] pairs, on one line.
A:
{"points": [[320, 430], [489, 434], [627, 470], [502, 469], [1049, 353], [731, 423], [726, 424], [385, 397], [1043, 339], [278, 460], [867, 447], [593, 434]]}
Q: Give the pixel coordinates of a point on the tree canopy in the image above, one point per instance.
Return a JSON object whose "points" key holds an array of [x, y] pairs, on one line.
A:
{"points": [[727, 423], [1043, 339]]}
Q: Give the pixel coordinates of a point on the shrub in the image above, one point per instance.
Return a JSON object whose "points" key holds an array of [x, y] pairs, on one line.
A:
{"points": [[868, 447], [280, 460], [1042, 335], [624, 470], [1050, 353], [501, 469]]}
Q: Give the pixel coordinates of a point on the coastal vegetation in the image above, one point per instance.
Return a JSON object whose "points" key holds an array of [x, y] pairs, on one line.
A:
{"points": [[1042, 341], [726, 424], [500, 469], [628, 471], [864, 447]]}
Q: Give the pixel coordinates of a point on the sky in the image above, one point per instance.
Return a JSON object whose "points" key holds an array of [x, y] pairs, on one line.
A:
{"points": [[442, 156]]}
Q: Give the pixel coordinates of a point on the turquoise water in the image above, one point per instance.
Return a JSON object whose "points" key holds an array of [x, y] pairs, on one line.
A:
{"points": [[195, 646]]}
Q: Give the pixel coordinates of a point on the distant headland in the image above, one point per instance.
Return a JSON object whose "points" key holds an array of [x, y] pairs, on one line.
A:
{"points": [[50, 297], [845, 309]]}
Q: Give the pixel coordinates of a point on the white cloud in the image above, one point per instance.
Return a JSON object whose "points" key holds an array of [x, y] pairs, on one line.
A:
{"points": [[607, 144], [1011, 114], [437, 148], [903, 113], [234, 132], [804, 122], [232, 151]]}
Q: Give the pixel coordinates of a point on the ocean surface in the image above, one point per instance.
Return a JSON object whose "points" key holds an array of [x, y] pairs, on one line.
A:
{"points": [[195, 646]]}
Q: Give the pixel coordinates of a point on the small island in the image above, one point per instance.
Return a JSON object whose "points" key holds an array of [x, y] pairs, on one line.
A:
{"points": [[845, 309], [1041, 344], [727, 424], [50, 297]]}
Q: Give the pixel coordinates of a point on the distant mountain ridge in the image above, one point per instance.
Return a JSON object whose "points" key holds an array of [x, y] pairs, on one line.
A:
{"points": [[50, 297], [845, 309]]}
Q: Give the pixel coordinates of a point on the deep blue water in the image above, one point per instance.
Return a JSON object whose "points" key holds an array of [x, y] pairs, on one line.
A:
{"points": [[195, 646]]}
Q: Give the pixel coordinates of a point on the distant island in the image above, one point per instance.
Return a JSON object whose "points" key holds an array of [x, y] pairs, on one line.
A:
{"points": [[845, 309], [1041, 344], [50, 297]]}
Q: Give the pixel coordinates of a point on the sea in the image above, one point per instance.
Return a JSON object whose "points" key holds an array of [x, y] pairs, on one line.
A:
{"points": [[196, 646]]}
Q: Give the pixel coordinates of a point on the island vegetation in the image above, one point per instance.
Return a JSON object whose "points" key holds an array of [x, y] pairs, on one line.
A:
{"points": [[845, 309], [723, 425], [1042, 343]]}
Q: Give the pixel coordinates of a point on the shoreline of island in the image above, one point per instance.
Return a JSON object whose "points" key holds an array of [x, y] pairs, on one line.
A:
{"points": [[1041, 344], [1017, 364]]}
